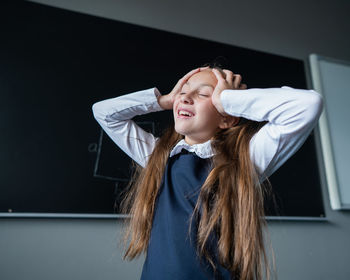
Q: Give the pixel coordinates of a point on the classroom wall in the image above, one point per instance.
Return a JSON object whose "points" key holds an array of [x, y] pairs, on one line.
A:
{"points": [[88, 248]]}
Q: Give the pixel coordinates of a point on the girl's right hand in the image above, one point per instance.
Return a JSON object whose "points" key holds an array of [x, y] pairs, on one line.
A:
{"points": [[166, 101]]}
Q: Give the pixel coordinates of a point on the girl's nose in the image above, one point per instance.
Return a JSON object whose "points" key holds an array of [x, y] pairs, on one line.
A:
{"points": [[186, 98]]}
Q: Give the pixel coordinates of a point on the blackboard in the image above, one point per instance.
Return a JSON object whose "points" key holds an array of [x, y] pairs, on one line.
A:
{"points": [[56, 160]]}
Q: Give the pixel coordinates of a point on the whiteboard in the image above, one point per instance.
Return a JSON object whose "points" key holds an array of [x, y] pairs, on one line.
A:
{"points": [[331, 78]]}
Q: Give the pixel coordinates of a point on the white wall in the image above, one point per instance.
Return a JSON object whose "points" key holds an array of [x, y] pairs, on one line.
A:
{"points": [[290, 28], [87, 249]]}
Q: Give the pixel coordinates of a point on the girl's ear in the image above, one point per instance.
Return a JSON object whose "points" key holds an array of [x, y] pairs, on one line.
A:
{"points": [[228, 121]]}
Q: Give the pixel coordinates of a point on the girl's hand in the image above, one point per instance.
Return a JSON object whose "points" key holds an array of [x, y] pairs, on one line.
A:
{"points": [[226, 80], [167, 101]]}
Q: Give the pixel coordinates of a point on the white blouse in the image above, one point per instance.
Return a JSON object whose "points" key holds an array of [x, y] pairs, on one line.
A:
{"points": [[291, 115]]}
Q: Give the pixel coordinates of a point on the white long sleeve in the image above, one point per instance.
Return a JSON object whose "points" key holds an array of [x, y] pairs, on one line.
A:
{"points": [[291, 115], [115, 114]]}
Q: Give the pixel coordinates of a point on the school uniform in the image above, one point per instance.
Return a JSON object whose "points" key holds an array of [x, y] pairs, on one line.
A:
{"points": [[291, 115]]}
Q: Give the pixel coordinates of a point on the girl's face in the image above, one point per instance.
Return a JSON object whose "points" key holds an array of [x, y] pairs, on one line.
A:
{"points": [[194, 113]]}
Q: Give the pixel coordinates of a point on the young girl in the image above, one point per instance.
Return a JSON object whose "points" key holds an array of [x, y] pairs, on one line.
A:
{"points": [[197, 203]]}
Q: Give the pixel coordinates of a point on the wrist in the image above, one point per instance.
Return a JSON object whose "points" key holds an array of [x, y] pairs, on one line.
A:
{"points": [[218, 104], [163, 101]]}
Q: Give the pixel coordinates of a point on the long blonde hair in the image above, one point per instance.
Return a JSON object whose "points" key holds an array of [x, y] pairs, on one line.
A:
{"points": [[231, 202]]}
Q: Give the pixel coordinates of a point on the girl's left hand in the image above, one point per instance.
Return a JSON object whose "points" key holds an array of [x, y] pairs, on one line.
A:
{"points": [[226, 80]]}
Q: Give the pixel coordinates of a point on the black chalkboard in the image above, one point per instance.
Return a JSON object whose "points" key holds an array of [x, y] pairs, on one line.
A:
{"points": [[55, 64]]}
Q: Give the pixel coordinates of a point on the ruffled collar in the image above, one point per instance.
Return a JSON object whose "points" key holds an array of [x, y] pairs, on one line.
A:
{"points": [[203, 150]]}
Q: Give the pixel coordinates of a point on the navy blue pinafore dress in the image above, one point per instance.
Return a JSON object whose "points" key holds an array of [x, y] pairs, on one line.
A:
{"points": [[171, 252]]}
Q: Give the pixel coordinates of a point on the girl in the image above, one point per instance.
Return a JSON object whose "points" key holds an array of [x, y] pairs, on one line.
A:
{"points": [[196, 203]]}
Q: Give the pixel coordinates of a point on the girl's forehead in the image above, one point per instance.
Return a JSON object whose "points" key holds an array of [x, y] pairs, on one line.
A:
{"points": [[206, 76]]}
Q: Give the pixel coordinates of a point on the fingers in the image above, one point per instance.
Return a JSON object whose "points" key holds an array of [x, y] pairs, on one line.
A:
{"points": [[184, 79], [218, 75], [234, 79], [180, 83], [229, 75], [191, 73], [243, 86], [237, 81], [203, 68]]}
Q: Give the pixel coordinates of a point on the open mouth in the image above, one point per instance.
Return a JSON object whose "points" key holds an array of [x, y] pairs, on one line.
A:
{"points": [[184, 114]]}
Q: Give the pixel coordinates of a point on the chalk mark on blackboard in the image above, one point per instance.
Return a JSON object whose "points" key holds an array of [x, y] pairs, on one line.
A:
{"points": [[146, 125]]}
